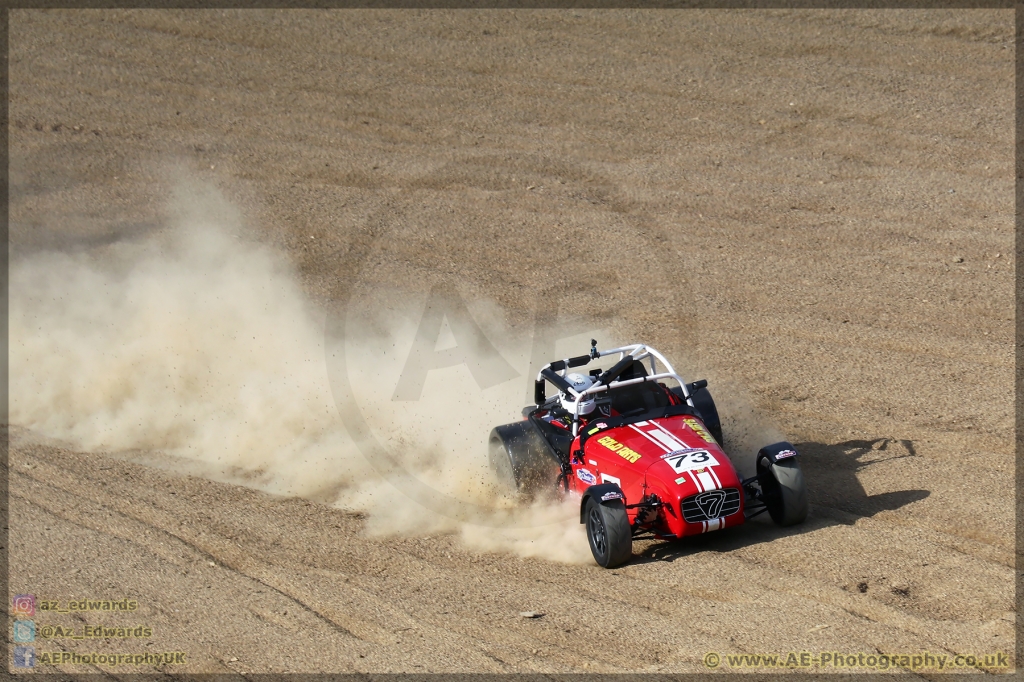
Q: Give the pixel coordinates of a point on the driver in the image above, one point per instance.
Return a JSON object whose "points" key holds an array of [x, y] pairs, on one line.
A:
{"points": [[563, 417], [579, 382]]}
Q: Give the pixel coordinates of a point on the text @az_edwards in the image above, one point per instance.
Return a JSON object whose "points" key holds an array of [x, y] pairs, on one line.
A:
{"points": [[834, 660], [93, 632]]}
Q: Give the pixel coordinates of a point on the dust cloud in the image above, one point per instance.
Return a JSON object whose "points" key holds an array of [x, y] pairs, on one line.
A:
{"points": [[745, 428], [196, 350]]}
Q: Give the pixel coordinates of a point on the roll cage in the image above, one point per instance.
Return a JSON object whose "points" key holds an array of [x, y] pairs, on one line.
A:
{"points": [[555, 372]]}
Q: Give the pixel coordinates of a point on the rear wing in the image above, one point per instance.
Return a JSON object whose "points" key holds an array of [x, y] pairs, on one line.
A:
{"points": [[555, 372]]}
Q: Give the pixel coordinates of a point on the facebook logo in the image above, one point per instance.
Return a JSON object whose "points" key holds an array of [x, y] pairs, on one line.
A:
{"points": [[24, 657]]}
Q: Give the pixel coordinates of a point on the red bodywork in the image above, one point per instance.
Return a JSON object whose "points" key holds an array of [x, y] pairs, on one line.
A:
{"points": [[673, 458]]}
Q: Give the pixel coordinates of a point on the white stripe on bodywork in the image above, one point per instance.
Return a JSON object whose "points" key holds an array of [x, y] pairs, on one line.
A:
{"points": [[707, 481], [678, 444], [718, 482], [648, 437], [666, 439]]}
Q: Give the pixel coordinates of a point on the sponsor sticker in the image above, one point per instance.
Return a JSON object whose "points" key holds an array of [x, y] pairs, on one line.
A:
{"points": [[784, 454], [621, 450], [585, 476], [592, 463], [699, 429], [681, 480], [611, 495]]}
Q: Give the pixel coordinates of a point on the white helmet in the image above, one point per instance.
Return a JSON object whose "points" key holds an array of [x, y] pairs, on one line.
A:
{"points": [[579, 382]]}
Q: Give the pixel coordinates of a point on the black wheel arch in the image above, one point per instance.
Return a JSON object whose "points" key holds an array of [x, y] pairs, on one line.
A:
{"points": [[782, 483], [598, 492], [772, 453]]}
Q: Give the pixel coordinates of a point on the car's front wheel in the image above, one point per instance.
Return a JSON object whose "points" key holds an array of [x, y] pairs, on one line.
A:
{"points": [[611, 539], [783, 490]]}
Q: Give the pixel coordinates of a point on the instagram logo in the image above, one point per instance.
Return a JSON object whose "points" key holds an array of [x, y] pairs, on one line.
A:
{"points": [[23, 605]]}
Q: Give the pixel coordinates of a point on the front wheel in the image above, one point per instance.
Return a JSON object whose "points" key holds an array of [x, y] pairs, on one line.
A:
{"points": [[611, 539], [783, 489]]}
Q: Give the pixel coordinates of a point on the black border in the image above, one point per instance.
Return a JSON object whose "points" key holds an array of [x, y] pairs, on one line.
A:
{"points": [[509, 4], [1018, 384]]}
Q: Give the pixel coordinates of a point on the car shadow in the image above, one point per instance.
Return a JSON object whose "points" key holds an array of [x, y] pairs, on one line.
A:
{"points": [[834, 492]]}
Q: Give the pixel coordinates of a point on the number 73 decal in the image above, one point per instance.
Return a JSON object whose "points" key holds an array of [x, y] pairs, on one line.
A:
{"points": [[688, 460]]}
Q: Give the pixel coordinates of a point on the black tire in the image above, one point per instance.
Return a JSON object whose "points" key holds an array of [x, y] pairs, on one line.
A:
{"points": [[521, 459], [705, 404], [783, 489], [501, 463], [611, 539], [706, 410]]}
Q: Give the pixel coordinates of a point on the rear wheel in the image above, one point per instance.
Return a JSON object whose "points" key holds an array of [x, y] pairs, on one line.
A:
{"points": [[706, 409], [521, 459], [611, 539], [783, 490], [501, 463], [705, 404]]}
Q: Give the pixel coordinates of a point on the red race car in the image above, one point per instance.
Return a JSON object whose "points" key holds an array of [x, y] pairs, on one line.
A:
{"points": [[644, 457]]}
